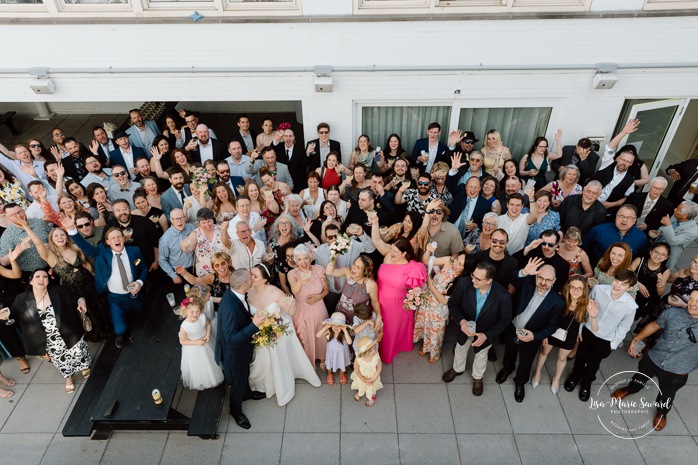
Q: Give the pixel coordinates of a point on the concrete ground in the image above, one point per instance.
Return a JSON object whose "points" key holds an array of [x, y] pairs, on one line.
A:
{"points": [[416, 419]]}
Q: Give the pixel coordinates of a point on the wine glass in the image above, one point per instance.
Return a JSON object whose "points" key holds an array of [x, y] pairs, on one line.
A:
{"points": [[9, 320], [128, 232]]}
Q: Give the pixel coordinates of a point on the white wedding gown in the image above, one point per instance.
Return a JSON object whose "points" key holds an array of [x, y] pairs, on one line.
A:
{"points": [[274, 370]]}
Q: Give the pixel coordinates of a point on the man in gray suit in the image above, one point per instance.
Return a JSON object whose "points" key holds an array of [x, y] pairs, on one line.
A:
{"points": [[142, 132], [680, 231], [268, 160], [174, 196]]}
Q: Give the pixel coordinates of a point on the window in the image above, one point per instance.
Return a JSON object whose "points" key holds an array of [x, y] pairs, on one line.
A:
{"points": [[670, 4], [410, 123], [518, 126]]}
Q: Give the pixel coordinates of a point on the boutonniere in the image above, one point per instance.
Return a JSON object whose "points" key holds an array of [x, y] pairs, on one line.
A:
{"points": [[378, 205], [138, 260]]}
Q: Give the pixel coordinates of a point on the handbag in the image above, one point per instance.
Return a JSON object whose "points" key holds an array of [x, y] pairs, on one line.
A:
{"points": [[561, 334], [86, 322]]}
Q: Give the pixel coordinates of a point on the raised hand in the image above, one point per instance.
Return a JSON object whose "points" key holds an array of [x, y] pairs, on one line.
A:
{"points": [[94, 147], [631, 126], [533, 265], [456, 161], [56, 153], [593, 308], [558, 135], [454, 137], [67, 221], [155, 153], [13, 254]]}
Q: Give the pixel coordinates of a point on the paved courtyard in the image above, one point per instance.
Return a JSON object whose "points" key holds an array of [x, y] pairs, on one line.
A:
{"points": [[416, 419]]}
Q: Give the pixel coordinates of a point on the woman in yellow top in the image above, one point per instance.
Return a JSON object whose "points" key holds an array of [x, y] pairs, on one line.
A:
{"points": [[495, 153]]}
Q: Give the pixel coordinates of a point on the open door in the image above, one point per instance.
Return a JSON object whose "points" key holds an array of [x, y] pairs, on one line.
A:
{"points": [[658, 123]]}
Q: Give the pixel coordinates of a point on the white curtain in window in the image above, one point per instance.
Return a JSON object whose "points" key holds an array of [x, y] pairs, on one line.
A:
{"points": [[518, 126], [410, 123]]}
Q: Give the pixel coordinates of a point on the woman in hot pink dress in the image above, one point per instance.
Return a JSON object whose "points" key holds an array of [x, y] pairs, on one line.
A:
{"points": [[398, 273]]}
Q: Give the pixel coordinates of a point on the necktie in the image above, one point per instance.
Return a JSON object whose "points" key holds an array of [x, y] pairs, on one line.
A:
{"points": [[122, 272], [288, 155], [181, 194], [648, 206], [247, 305]]}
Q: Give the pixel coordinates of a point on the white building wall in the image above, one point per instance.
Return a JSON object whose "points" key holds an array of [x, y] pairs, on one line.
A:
{"points": [[414, 46]]}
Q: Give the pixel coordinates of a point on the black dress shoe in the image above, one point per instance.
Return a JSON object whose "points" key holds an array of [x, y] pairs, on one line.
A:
{"points": [[519, 393], [119, 342], [255, 395], [242, 421], [584, 394], [502, 376], [570, 384]]}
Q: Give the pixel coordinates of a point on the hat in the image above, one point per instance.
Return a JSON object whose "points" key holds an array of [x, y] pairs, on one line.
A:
{"points": [[119, 133], [337, 318], [364, 344], [469, 135]]}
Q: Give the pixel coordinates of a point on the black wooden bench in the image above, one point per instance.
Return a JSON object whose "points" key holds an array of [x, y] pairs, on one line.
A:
{"points": [[6, 119], [118, 394]]}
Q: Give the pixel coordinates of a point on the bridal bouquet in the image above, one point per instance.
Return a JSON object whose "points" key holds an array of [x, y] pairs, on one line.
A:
{"points": [[415, 299], [200, 179], [341, 245], [271, 331]]}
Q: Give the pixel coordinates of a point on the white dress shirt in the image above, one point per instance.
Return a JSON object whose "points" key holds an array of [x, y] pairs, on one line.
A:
{"points": [[205, 151], [114, 282]]}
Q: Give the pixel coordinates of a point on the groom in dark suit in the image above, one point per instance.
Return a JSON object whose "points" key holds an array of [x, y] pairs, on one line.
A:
{"points": [[234, 348]]}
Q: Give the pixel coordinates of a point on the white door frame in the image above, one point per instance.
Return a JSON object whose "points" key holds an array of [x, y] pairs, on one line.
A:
{"points": [[681, 104]]}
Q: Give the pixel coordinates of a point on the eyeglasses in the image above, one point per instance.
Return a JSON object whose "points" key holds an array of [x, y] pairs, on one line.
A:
{"points": [[59, 133], [499, 241], [438, 211], [35, 146], [81, 226], [469, 141], [243, 231], [119, 174], [476, 160], [575, 288], [475, 278], [224, 171], [489, 223], [179, 218], [422, 183], [323, 132], [659, 254], [550, 244], [691, 336], [623, 217], [331, 237], [545, 280]]}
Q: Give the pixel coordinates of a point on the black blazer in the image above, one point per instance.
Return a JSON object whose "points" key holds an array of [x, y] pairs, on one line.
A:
{"points": [[442, 154], [686, 169], [220, 151], [297, 166], [586, 167], [238, 137], [314, 158], [546, 318], [67, 318], [494, 317], [661, 208], [234, 335]]}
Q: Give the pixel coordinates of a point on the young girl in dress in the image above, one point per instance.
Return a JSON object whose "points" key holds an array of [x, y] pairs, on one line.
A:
{"points": [[366, 378], [203, 292], [365, 325], [199, 369], [337, 355]]}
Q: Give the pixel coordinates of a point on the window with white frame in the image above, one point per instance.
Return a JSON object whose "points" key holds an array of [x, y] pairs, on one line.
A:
{"points": [[467, 6], [518, 127], [408, 122], [670, 4]]}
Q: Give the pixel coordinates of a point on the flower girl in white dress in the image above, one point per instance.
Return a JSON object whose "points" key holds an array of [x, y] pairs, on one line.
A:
{"points": [[199, 369]]}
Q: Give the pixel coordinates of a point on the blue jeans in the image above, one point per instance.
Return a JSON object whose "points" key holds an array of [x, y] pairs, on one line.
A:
{"points": [[119, 306]]}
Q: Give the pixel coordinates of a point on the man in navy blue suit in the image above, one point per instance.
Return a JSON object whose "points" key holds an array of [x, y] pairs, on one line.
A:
{"points": [[120, 272], [429, 150], [537, 311], [125, 154], [234, 349]]}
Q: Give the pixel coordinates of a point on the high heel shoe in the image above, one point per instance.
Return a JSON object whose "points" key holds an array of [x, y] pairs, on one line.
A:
{"points": [[554, 389], [534, 383]]}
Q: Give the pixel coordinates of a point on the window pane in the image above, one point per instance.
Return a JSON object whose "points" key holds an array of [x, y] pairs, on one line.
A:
{"points": [[21, 2], [518, 126], [410, 123], [180, 1], [92, 2]]}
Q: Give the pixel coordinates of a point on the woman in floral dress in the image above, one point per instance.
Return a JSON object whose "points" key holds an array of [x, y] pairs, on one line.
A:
{"points": [[209, 238], [430, 320]]}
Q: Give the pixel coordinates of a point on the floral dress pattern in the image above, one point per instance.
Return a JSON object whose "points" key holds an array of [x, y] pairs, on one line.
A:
{"points": [[68, 361], [430, 321], [353, 293], [205, 250], [550, 221], [13, 192], [556, 191]]}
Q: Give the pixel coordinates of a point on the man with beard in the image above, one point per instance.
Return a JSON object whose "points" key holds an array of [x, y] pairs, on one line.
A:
{"points": [[102, 145], [74, 163], [545, 249], [583, 210], [192, 120], [142, 133], [246, 136], [401, 173], [96, 173], [505, 265], [204, 147], [138, 231], [446, 236], [278, 170], [174, 196], [123, 188], [318, 149], [417, 198], [237, 161], [512, 185]]}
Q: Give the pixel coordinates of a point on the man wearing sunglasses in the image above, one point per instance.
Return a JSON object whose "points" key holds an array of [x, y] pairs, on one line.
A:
{"points": [[506, 266], [87, 229], [417, 199], [545, 249], [125, 154], [446, 235], [670, 360], [465, 140], [603, 333], [123, 188]]}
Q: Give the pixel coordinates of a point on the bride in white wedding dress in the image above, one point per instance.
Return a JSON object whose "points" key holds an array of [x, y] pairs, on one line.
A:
{"points": [[274, 370]]}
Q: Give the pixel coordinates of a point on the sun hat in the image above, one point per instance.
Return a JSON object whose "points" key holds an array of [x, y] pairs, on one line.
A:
{"points": [[364, 344], [337, 318]]}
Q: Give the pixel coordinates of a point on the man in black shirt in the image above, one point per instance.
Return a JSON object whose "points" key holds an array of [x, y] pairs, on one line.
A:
{"points": [[545, 248], [143, 234], [583, 210], [505, 265]]}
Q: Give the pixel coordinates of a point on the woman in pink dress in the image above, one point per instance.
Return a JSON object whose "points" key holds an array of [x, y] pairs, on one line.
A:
{"points": [[398, 273], [309, 285]]}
